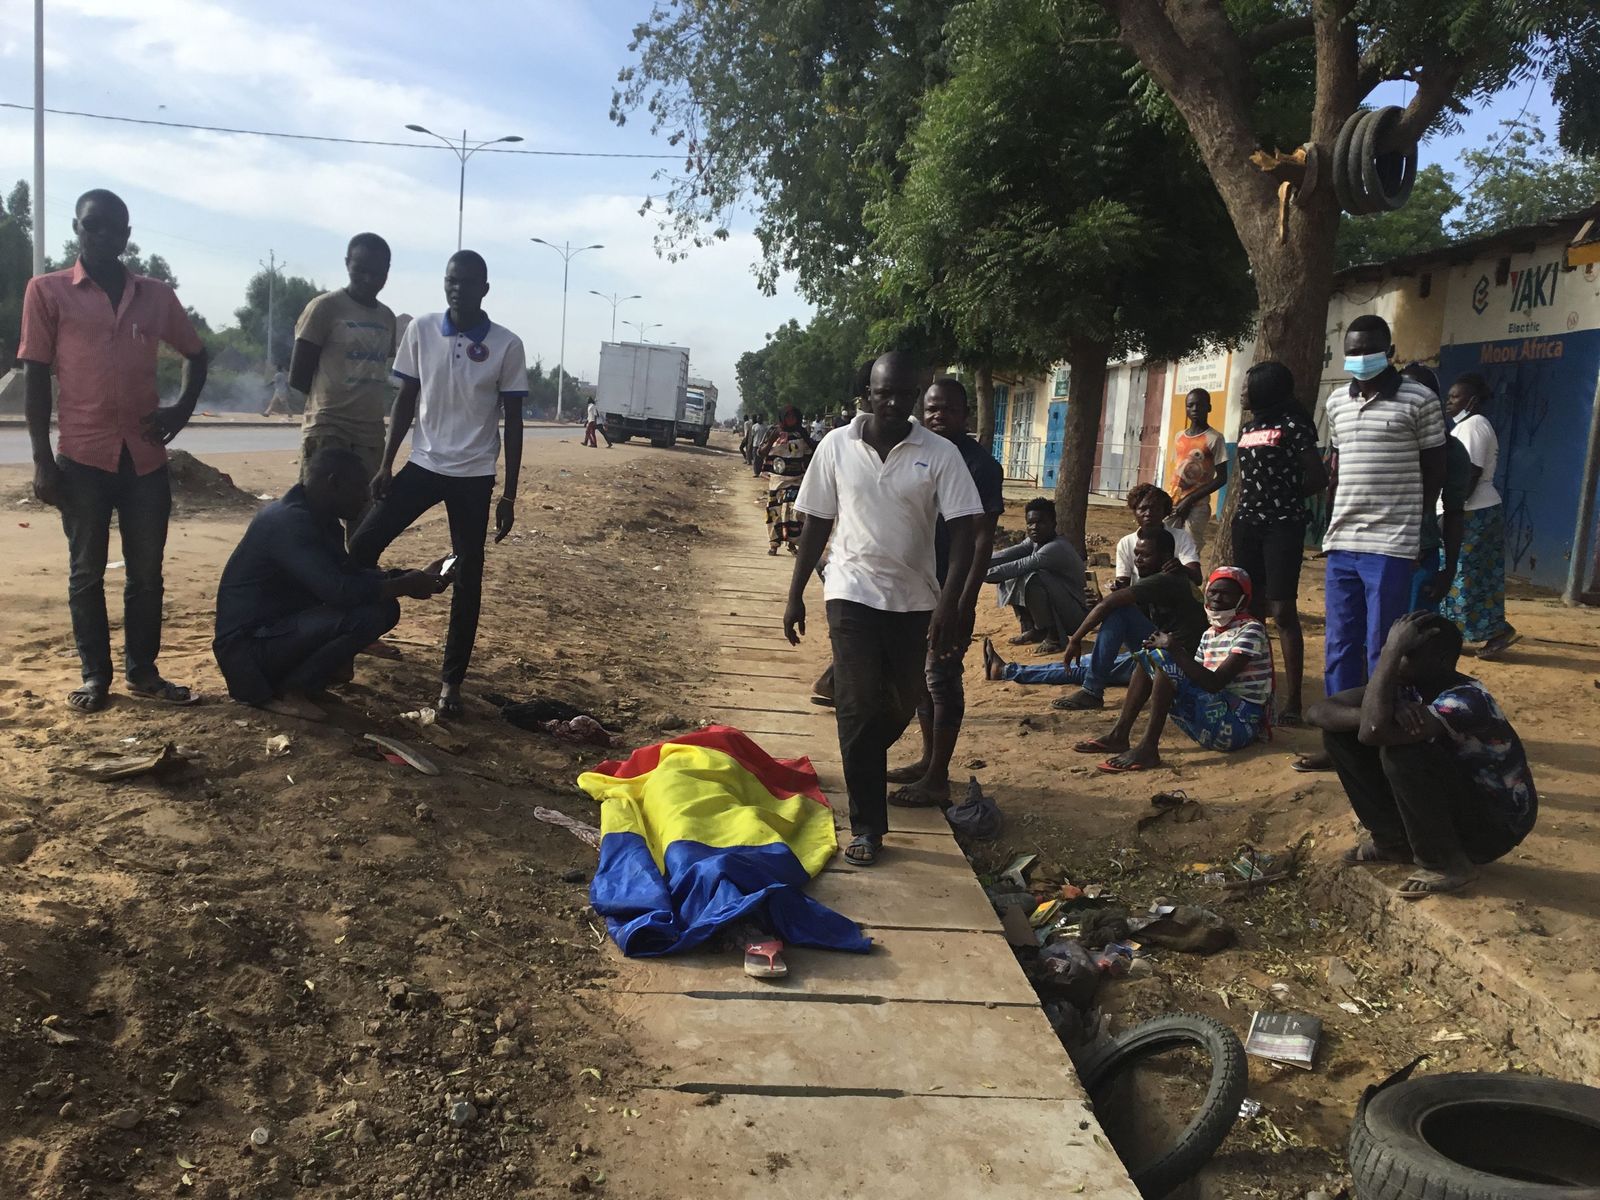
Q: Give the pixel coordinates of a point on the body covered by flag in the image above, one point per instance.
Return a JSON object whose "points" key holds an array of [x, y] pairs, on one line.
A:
{"points": [[704, 830]]}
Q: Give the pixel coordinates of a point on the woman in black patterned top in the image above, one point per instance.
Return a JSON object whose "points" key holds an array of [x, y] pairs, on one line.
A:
{"points": [[1277, 467]]}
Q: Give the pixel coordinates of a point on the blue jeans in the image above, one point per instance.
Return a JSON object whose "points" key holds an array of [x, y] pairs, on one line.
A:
{"points": [[1421, 577], [1367, 593], [1124, 628], [1059, 672]]}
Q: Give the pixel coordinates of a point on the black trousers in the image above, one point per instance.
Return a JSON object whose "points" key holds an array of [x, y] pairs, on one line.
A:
{"points": [[943, 702], [303, 652], [878, 662], [142, 504], [1418, 799], [466, 503]]}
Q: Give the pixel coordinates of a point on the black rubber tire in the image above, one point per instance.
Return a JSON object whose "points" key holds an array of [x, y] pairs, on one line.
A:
{"points": [[1513, 1131], [1218, 1112], [1386, 177], [1341, 155], [701, 438]]}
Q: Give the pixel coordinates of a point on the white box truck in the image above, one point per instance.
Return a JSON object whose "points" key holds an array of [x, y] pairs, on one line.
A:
{"points": [[643, 391]]}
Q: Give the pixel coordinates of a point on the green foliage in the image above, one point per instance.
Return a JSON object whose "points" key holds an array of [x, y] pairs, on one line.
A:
{"points": [[541, 401], [1521, 181], [16, 266], [290, 294], [155, 266], [810, 367], [1022, 226], [801, 104], [1420, 225]]}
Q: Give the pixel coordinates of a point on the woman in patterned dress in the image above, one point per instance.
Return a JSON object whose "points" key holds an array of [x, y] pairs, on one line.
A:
{"points": [[1477, 598], [786, 455]]}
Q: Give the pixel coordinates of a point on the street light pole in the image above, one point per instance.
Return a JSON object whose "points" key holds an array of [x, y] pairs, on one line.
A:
{"points": [[614, 299], [38, 137], [642, 327], [463, 152], [567, 252], [272, 264]]}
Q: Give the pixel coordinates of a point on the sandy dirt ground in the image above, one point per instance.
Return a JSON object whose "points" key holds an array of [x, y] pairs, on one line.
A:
{"points": [[325, 945], [337, 950]]}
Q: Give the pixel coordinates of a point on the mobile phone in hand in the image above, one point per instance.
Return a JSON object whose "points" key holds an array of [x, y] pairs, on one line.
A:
{"points": [[448, 567]]}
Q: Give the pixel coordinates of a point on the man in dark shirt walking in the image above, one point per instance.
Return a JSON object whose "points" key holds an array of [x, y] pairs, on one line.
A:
{"points": [[292, 609], [943, 704]]}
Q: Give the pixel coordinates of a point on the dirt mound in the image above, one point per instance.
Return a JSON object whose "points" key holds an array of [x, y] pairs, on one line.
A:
{"points": [[199, 487]]}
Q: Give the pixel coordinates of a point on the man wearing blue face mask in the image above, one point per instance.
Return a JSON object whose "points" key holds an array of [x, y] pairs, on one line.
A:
{"points": [[1388, 438]]}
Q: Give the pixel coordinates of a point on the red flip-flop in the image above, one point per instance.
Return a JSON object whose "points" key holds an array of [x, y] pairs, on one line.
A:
{"points": [[1094, 746], [764, 960], [1110, 768]]}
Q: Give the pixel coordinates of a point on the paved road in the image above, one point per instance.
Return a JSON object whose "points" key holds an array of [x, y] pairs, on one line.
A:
{"points": [[220, 439]]}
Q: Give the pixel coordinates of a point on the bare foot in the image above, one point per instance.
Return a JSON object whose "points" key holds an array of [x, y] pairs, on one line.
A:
{"points": [[1369, 853], [994, 667], [908, 774], [292, 704], [1028, 637], [922, 794]]}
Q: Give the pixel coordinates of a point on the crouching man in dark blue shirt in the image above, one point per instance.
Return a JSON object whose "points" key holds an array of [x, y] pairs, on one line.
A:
{"points": [[292, 610]]}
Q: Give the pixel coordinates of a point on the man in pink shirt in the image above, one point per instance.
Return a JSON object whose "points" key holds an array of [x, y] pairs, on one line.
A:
{"points": [[97, 328]]}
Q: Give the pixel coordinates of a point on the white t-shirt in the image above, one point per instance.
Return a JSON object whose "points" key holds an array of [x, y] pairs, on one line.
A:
{"points": [[884, 512], [1183, 549], [592, 413], [1483, 448], [464, 374]]}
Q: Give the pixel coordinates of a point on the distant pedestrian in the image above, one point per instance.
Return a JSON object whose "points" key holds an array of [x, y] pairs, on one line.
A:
{"points": [[1199, 469], [1477, 597], [789, 454], [758, 440], [1442, 530], [1279, 466], [878, 489], [278, 396], [1389, 458], [97, 329], [593, 425], [343, 345], [461, 377]]}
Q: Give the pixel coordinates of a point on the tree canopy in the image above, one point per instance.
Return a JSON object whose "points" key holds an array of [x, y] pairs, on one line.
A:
{"points": [[810, 367], [290, 294], [1520, 180]]}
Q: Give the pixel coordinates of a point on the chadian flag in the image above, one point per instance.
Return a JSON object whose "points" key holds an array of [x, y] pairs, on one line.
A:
{"points": [[706, 829]]}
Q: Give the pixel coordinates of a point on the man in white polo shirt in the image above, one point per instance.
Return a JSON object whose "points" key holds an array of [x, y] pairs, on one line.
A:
{"points": [[460, 376], [1388, 439], [878, 489]]}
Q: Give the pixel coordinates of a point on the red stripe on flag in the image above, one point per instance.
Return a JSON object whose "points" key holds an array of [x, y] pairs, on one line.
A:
{"points": [[780, 776]]}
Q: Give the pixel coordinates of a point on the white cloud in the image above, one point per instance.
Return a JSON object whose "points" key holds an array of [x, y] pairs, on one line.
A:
{"points": [[214, 204]]}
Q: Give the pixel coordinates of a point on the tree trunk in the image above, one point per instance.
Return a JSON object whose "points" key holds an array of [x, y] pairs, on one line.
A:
{"points": [[983, 384], [1085, 398]]}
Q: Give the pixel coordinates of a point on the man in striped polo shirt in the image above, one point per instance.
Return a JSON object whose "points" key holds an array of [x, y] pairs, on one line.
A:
{"points": [[1388, 440]]}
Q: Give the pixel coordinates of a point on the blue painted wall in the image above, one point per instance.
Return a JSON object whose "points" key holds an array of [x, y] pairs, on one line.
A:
{"points": [[1055, 432], [1542, 408]]}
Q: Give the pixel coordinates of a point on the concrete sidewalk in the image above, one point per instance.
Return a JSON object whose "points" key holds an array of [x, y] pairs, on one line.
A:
{"points": [[924, 1069]]}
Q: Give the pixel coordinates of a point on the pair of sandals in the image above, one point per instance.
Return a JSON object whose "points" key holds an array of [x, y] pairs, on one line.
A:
{"points": [[1425, 881], [92, 696]]}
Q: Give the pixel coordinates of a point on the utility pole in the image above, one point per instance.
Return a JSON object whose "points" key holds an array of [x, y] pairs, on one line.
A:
{"points": [[38, 137], [614, 299], [272, 281], [463, 153], [566, 251]]}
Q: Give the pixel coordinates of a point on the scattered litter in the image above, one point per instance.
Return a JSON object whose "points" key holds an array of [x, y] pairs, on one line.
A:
{"points": [[116, 566], [1351, 1008], [1249, 1109], [1068, 972], [260, 1136], [402, 751], [1175, 805], [422, 716], [1016, 872], [583, 730], [1019, 933], [1190, 929], [278, 747], [1448, 1035], [585, 833], [977, 816], [108, 766], [1284, 1037]]}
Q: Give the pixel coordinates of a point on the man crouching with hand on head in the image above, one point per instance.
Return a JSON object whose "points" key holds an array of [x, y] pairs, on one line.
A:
{"points": [[292, 609], [1430, 763]]}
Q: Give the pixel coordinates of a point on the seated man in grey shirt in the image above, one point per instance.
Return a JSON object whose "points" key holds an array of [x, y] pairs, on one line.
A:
{"points": [[1042, 578]]}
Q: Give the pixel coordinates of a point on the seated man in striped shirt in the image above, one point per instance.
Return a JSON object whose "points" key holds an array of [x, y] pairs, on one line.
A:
{"points": [[1221, 697]]}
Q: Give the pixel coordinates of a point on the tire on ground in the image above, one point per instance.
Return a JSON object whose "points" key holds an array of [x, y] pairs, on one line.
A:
{"points": [[1218, 1111], [1478, 1137]]}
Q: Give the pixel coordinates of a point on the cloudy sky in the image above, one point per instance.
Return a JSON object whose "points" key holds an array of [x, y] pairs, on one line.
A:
{"points": [[215, 204]]}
